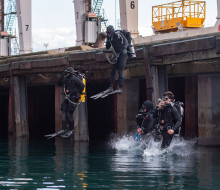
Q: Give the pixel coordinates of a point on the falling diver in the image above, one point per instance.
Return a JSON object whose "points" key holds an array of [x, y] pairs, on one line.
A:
{"points": [[73, 84], [122, 47]]}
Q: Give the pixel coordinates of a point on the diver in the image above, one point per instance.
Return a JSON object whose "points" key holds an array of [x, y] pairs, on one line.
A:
{"points": [[168, 118], [73, 86], [145, 120], [120, 44]]}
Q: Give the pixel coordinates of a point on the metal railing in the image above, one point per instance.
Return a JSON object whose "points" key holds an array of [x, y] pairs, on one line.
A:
{"points": [[192, 11]]}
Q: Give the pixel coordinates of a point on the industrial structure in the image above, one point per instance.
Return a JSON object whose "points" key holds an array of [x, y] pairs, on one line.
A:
{"points": [[15, 14], [185, 62], [90, 19], [178, 15]]}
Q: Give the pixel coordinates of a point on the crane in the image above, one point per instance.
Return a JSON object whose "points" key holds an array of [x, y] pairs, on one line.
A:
{"points": [[19, 10], [91, 19]]}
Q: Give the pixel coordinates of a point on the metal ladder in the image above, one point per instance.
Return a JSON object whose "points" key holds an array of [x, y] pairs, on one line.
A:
{"points": [[11, 14], [104, 23], [97, 4]]}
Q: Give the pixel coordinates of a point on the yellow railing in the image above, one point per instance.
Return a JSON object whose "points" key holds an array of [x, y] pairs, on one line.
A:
{"points": [[188, 13]]}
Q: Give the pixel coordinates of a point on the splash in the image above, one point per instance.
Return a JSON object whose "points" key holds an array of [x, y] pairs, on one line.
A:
{"points": [[150, 148], [123, 143]]}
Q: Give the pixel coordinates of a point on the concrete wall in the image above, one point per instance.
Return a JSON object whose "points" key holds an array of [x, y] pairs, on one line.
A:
{"points": [[208, 109]]}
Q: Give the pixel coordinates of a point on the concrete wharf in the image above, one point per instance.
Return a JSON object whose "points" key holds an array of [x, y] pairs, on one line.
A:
{"points": [[189, 66]]}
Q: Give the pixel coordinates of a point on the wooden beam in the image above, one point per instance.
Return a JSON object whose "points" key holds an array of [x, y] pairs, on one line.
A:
{"points": [[53, 62], [189, 45], [194, 67], [83, 55], [188, 57], [4, 67]]}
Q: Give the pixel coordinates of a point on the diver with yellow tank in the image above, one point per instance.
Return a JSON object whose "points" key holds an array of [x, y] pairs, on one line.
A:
{"points": [[73, 84]]}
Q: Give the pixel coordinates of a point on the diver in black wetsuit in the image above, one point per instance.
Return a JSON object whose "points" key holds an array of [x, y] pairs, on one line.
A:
{"points": [[145, 120], [73, 87], [168, 118], [120, 44]]}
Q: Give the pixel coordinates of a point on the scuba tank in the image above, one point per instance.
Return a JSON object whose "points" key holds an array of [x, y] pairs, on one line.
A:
{"points": [[131, 50]]}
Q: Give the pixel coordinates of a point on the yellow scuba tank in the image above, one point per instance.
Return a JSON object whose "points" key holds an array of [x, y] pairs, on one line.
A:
{"points": [[83, 96]]}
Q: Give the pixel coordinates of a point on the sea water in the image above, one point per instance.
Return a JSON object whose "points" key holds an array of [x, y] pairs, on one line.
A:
{"points": [[121, 163]]}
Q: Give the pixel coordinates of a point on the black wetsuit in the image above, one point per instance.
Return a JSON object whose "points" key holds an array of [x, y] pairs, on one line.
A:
{"points": [[73, 88], [120, 44], [172, 120], [145, 121]]}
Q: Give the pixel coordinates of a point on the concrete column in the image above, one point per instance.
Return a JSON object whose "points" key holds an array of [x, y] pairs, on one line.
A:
{"points": [[18, 121], [208, 109]]}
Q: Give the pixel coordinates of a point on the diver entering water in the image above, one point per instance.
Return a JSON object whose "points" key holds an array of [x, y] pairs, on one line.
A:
{"points": [[120, 44], [145, 120], [168, 118], [73, 87]]}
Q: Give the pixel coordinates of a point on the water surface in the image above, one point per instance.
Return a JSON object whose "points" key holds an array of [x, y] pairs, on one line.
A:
{"points": [[119, 164]]}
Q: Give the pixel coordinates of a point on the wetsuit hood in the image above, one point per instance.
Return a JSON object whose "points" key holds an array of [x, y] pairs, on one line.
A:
{"points": [[110, 29], [148, 105], [69, 70]]}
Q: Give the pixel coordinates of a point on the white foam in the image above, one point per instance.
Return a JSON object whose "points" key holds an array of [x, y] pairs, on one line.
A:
{"points": [[150, 148]]}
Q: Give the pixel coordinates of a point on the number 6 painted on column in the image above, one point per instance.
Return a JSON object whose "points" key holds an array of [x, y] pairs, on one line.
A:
{"points": [[132, 5]]}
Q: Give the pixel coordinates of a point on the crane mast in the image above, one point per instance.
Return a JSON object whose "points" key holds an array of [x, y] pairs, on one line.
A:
{"points": [[10, 11], [1, 15], [24, 25], [89, 20], [129, 16]]}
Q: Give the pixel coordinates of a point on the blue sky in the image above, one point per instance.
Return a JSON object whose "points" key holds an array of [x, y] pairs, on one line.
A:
{"points": [[53, 21]]}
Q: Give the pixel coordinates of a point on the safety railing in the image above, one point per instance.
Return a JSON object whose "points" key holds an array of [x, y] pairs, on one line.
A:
{"points": [[186, 13]]}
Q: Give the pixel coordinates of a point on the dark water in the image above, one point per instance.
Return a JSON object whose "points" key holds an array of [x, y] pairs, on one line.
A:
{"points": [[122, 164]]}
